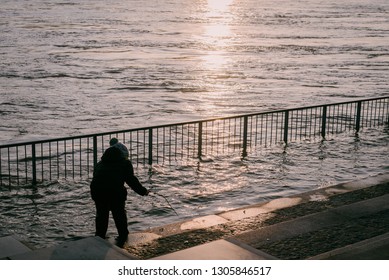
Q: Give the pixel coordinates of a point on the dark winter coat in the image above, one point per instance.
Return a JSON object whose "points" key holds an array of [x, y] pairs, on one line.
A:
{"points": [[109, 177]]}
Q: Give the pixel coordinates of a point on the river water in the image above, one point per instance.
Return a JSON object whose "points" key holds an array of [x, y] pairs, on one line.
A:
{"points": [[75, 67]]}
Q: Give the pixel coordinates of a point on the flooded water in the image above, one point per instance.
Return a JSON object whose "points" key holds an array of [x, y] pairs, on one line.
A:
{"points": [[75, 67], [63, 210]]}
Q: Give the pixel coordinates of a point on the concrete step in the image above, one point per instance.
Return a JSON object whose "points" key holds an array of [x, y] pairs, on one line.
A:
{"points": [[90, 248], [218, 250], [314, 222], [376, 248], [10, 245]]}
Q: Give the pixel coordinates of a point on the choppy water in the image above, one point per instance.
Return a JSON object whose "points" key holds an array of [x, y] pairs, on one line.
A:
{"points": [[73, 67]]}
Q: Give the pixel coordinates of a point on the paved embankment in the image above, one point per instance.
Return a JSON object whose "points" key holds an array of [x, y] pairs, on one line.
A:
{"points": [[346, 221], [297, 227]]}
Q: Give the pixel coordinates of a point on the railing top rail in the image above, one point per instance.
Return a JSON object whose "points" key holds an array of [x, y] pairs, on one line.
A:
{"points": [[48, 140]]}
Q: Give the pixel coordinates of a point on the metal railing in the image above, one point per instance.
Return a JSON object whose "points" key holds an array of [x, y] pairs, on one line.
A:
{"points": [[75, 157]]}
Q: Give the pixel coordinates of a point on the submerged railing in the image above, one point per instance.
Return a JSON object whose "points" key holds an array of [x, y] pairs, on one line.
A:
{"points": [[74, 157]]}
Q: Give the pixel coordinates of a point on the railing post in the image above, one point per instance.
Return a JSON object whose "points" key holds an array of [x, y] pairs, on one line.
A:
{"points": [[388, 113], [358, 118], [324, 122], [94, 151], [286, 127], [150, 146], [33, 156], [200, 141], [1, 177], [245, 132]]}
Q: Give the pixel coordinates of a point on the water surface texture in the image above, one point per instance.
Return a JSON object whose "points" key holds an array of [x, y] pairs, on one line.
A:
{"points": [[73, 67], [86, 66]]}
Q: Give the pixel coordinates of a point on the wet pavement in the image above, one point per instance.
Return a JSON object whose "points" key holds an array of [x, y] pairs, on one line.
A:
{"points": [[346, 221], [298, 227]]}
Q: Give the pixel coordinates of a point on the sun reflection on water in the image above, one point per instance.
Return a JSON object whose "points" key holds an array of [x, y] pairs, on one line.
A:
{"points": [[219, 5], [217, 34]]}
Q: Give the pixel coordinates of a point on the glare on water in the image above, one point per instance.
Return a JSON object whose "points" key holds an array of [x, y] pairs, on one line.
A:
{"points": [[76, 67]]}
